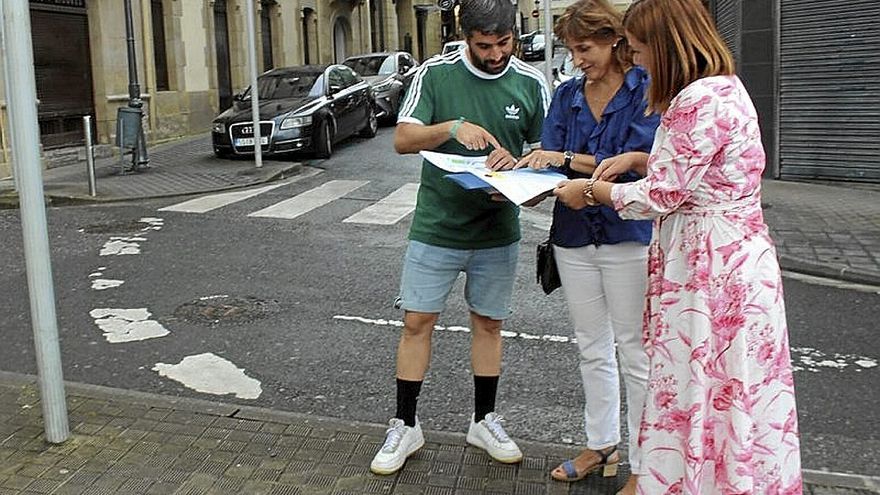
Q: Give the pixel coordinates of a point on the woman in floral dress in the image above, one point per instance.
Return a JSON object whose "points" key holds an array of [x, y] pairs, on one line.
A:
{"points": [[720, 412]]}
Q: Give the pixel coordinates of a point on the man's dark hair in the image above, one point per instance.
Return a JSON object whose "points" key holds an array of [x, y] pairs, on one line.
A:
{"points": [[496, 17]]}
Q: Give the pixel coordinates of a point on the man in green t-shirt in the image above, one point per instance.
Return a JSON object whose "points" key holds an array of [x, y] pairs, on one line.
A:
{"points": [[478, 101]]}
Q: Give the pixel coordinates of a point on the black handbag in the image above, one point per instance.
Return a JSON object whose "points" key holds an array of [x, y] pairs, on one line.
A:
{"points": [[546, 271]]}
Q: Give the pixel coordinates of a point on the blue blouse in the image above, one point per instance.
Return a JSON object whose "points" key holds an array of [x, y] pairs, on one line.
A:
{"points": [[570, 125]]}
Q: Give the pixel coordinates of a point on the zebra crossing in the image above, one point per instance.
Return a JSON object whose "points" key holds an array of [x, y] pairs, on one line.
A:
{"points": [[391, 209], [388, 210]]}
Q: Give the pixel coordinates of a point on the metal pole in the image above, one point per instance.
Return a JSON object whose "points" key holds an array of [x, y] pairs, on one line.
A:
{"points": [[548, 42], [90, 155], [23, 90], [255, 101], [139, 153]]}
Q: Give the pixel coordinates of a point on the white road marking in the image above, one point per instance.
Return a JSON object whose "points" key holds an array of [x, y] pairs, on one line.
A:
{"points": [[803, 358], [212, 202], [457, 328], [103, 283], [153, 223], [309, 200], [118, 246], [390, 209], [211, 374], [127, 325], [808, 359]]}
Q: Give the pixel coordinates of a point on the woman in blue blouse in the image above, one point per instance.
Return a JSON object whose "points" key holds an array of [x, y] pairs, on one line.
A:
{"points": [[602, 259]]}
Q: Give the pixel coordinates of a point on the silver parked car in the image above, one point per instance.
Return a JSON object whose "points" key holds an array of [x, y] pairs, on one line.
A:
{"points": [[389, 74]]}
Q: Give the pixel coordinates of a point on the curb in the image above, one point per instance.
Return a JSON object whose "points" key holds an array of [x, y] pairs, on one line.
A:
{"points": [[10, 200], [252, 413], [838, 272]]}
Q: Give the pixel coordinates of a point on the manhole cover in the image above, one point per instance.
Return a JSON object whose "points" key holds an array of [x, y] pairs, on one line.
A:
{"points": [[215, 310], [121, 227]]}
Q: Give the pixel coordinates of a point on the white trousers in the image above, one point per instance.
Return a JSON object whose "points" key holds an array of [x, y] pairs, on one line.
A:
{"points": [[605, 291]]}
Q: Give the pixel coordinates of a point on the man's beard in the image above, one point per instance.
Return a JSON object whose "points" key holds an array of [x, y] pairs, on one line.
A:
{"points": [[483, 66]]}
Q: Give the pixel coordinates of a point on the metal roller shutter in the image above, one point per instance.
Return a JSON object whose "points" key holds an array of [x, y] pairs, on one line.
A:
{"points": [[63, 73], [829, 82], [728, 20]]}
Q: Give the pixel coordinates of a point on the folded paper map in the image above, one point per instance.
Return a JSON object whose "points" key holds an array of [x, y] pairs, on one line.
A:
{"points": [[518, 185]]}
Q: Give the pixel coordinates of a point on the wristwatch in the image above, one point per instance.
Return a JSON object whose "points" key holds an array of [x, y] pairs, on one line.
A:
{"points": [[569, 156]]}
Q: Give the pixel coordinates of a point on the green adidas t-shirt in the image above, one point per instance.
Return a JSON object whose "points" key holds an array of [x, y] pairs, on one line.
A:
{"points": [[511, 106]]}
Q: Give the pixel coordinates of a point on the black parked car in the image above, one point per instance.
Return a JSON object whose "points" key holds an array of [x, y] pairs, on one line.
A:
{"points": [[532, 45], [304, 108], [390, 74]]}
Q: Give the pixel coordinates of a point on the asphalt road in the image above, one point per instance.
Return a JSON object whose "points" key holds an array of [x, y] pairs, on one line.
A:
{"points": [[325, 340]]}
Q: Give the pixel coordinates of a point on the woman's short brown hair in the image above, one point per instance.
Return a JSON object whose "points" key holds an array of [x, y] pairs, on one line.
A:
{"points": [[683, 46], [598, 21]]}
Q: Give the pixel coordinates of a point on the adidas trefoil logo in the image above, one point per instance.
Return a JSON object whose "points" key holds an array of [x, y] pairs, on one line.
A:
{"points": [[511, 112]]}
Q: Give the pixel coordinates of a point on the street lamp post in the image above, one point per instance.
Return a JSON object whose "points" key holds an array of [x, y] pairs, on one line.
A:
{"points": [[134, 127]]}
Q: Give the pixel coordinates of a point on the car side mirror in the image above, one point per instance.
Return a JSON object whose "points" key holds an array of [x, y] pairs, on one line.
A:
{"points": [[238, 97]]}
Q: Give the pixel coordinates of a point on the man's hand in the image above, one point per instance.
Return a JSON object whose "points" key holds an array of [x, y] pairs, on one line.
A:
{"points": [[539, 159], [500, 159], [474, 137]]}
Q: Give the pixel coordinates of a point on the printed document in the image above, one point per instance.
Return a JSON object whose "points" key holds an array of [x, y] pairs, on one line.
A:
{"points": [[518, 185]]}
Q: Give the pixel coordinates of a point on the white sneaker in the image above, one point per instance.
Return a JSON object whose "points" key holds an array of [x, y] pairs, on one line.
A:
{"points": [[490, 436], [401, 441]]}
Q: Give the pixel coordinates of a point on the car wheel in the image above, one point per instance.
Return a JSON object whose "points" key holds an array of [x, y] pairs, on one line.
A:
{"points": [[372, 126], [324, 141]]}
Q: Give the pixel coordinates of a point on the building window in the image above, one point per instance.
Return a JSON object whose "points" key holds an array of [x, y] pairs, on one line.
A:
{"points": [[266, 34], [159, 53]]}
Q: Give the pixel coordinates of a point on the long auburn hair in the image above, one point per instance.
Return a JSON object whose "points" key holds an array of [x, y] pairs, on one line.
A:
{"points": [[598, 21], [684, 46]]}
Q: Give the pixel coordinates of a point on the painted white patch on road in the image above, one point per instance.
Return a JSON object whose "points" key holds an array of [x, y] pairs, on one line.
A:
{"points": [[457, 328], [211, 374], [390, 209], [118, 246], [309, 200], [812, 360], [127, 325], [104, 283], [153, 223], [208, 298]]}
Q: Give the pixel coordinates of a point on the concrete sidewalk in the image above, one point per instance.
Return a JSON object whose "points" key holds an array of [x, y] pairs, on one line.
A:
{"points": [[182, 167], [125, 442], [820, 229]]}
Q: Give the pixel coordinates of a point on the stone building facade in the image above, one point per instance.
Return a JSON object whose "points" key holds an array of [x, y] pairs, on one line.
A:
{"points": [[191, 58]]}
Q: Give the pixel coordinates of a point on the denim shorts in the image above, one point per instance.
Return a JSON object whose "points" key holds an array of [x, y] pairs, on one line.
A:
{"points": [[429, 272]]}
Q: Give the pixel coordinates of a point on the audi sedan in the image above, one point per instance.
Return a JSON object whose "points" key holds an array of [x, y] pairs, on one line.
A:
{"points": [[390, 74], [303, 108]]}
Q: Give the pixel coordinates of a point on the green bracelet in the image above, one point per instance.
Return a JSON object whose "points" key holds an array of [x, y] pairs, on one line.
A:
{"points": [[455, 126]]}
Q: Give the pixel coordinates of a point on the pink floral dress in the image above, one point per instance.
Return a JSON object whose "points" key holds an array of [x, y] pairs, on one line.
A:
{"points": [[720, 412]]}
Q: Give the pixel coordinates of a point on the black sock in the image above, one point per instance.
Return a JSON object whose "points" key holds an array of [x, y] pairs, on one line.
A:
{"points": [[484, 395], [407, 397]]}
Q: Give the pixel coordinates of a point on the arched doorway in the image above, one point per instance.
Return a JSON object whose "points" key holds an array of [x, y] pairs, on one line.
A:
{"points": [[341, 30]]}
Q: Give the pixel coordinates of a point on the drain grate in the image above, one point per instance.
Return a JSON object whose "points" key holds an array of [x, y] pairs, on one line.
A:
{"points": [[216, 310]]}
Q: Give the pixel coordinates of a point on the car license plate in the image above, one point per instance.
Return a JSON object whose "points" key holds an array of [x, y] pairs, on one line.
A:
{"points": [[250, 141]]}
